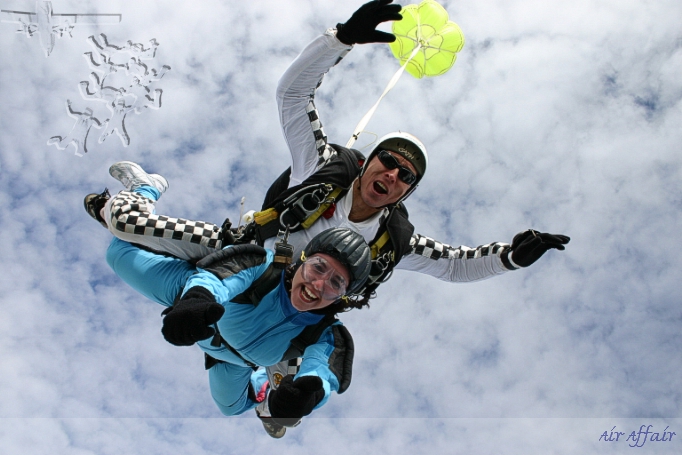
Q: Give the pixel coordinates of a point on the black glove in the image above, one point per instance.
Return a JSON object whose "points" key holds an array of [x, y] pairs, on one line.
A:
{"points": [[528, 246], [360, 28], [188, 320], [295, 399]]}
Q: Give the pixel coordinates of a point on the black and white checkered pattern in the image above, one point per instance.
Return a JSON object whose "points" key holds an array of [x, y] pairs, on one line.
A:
{"points": [[432, 249], [130, 213], [323, 149]]}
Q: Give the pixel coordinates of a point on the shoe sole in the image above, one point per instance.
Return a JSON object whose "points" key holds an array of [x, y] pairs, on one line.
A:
{"points": [[158, 181], [115, 173], [91, 210], [274, 430]]}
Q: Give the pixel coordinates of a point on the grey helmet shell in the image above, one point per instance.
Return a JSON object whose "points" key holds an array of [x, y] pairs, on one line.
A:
{"points": [[347, 247]]}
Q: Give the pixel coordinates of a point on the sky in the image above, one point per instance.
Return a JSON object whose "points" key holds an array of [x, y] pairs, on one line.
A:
{"points": [[559, 116]]}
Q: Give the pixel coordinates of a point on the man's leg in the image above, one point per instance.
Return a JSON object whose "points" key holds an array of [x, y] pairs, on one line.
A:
{"points": [[130, 216]]}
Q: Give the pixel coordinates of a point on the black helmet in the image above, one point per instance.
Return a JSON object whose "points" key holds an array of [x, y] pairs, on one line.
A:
{"points": [[349, 248]]}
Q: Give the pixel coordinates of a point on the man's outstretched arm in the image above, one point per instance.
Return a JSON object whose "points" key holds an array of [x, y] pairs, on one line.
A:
{"points": [[465, 264]]}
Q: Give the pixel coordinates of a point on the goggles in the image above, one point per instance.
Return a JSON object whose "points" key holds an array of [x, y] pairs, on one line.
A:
{"points": [[317, 268], [390, 162]]}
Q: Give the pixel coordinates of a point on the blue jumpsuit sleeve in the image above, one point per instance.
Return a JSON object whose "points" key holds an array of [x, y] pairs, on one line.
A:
{"points": [[316, 363], [227, 288]]}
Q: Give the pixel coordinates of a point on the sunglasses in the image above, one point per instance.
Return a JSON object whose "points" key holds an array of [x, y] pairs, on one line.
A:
{"points": [[317, 268], [390, 162]]}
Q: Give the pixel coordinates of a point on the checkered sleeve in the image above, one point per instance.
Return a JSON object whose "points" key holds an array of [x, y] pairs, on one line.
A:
{"points": [[299, 117], [460, 264], [324, 151], [131, 213]]}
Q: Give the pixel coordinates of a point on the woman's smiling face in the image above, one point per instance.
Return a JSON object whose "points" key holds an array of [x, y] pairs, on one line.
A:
{"points": [[317, 290]]}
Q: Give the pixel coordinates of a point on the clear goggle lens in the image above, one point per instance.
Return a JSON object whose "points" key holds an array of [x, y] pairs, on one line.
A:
{"points": [[317, 268]]}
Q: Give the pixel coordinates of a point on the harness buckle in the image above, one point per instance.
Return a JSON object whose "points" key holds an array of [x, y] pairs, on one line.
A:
{"points": [[379, 266], [301, 207], [284, 252]]}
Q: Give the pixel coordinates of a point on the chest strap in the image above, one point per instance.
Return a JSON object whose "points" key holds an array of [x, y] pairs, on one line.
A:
{"points": [[297, 346], [302, 208], [331, 198]]}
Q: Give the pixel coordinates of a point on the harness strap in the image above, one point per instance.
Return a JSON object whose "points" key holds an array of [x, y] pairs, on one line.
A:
{"points": [[265, 216], [376, 247], [261, 287], [323, 208], [297, 346], [218, 340], [308, 336], [302, 208]]}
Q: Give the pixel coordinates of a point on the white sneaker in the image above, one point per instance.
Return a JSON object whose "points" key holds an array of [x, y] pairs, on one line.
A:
{"points": [[132, 176], [160, 182]]}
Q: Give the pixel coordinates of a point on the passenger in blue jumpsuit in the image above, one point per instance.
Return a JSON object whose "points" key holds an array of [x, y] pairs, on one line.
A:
{"points": [[239, 337]]}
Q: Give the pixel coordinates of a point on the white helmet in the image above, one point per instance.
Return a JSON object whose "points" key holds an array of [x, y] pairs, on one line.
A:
{"points": [[407, 146]]}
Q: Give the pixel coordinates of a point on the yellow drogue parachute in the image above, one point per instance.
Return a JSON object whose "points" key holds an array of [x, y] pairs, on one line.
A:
{"points": [[426, 44]]}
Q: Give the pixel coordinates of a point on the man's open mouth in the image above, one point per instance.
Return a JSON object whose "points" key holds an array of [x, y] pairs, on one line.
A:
{"points": [[380, 188]]}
